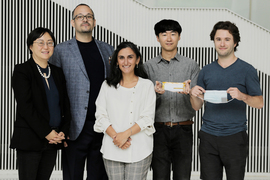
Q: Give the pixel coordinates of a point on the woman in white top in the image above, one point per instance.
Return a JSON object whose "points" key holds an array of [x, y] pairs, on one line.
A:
{"points": [[125, 114]]}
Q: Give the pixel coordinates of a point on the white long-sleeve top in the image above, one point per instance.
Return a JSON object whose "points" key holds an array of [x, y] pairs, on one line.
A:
{"points": [[122, 108]]}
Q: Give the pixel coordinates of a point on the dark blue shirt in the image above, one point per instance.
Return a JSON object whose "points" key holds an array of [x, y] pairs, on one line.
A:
{"points": [[52, 99], [229, 118]]}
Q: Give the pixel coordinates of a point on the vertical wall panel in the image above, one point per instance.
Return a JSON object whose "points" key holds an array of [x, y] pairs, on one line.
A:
{"points": [[2, 4], [132, 21]]}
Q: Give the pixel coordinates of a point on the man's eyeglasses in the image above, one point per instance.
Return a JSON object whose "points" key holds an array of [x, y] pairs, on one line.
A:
{"points": [[81, 17], [42, 43]]}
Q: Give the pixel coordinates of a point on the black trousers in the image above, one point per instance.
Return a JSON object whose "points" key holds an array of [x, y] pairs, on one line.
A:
{"points": [[34, 165], [85, 148], [172, 148], [218, 152]]}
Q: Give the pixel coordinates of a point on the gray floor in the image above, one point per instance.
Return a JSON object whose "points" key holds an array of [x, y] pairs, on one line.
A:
{"points": [[12, 175]]}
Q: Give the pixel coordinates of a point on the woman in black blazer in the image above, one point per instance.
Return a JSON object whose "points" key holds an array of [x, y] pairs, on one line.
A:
{"points": [[43, 112]]}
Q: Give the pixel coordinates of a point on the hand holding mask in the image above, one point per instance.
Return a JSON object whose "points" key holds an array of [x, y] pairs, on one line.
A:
{"points": [[216, 96]]}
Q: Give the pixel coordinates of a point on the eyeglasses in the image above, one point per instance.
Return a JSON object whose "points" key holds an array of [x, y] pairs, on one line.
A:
{"points": [[42, 43], [81, 17]]}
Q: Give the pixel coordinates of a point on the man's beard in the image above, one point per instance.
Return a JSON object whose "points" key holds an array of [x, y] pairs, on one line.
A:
{"points": [[88, 30]]}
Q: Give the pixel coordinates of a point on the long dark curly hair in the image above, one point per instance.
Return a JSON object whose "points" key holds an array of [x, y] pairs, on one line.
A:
{"points": [[115, 73]]}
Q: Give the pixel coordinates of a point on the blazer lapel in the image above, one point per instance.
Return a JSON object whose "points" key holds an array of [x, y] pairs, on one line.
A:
{"points": [[39, 82], [57, 81], [103, 56], [78, 57]]}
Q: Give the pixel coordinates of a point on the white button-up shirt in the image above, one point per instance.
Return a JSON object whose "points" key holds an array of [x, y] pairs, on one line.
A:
{"points": [[122, 108]]}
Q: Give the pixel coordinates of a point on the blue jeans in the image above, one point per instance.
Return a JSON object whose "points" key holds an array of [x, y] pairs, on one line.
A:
{"points": [[217, 152], [172, 148]]}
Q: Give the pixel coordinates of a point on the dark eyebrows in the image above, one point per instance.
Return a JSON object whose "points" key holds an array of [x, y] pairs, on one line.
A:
{"points": [[129, 56], [227, 38], [41, 40]]}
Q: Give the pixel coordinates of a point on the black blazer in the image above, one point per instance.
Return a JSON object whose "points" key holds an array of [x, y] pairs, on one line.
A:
{"points": [[32, 117]]}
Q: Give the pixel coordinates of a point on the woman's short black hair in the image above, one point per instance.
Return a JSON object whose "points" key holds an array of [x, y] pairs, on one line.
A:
{"points": [[37, 33], [167, 25], [115, 72]]}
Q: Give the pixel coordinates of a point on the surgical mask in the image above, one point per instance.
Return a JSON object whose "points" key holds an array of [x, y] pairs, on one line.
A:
{"points": [[216, 96]]}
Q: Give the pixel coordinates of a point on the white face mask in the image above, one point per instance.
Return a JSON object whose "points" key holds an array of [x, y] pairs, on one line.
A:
{"points": [[216, 96]]}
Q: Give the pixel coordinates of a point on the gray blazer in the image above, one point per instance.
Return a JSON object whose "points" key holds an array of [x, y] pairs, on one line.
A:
{"points": [[67, 56]]}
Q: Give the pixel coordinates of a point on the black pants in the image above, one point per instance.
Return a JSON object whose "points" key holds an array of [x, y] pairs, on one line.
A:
{"points": [[172, 148], [217, 152], [85, 147], [36, 165]]}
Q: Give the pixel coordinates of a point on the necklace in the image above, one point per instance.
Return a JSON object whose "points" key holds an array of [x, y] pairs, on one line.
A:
{"points": [[49, 74]]}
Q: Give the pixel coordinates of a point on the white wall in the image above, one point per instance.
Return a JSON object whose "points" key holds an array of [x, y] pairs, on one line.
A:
{"points": [[254, 10], [260, 12]]}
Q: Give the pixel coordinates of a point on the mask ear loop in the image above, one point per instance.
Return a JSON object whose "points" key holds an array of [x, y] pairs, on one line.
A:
{"points": [[200, 98], [213, 102], [230, 100]]}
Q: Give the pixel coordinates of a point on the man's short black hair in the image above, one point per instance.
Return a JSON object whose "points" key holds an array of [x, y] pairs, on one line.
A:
{"points": [[167, 25]]}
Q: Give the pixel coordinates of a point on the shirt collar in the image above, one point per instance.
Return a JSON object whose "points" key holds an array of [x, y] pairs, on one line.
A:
{"points": [[176, 57]]}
